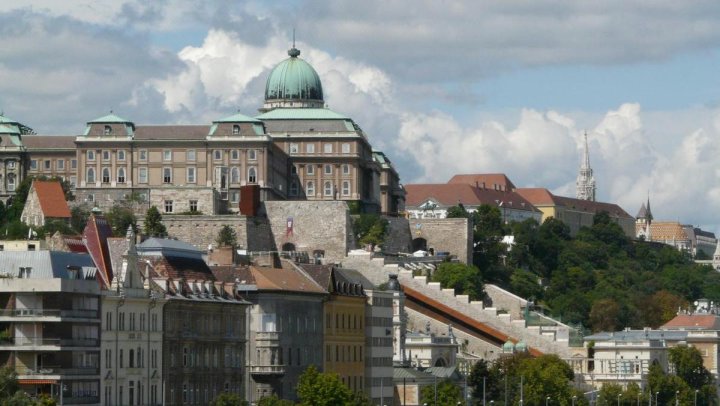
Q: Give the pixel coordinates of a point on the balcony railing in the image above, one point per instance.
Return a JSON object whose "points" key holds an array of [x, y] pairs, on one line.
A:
{"points": [[57, 370], [267, 336], [63, 342], [267, 369], [86, 314], [85, 400]]}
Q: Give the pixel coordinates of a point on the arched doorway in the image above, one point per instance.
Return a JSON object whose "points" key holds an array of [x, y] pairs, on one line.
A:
{"points": [[419, 244], [288, 247]]}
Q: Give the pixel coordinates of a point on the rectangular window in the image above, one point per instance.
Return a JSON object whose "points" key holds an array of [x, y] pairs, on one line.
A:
{"points": [[293, 148], [142, 175], [217, 155], [234, 197], [167, 175], [167, 155], [73, 181], [327, 148], [106, 156], [121, 155], [310, 169], [47, 165], [73, 164], [168, 206], [310, 148], [190, 155], [142, 155], [310, 189], [346, 188], [33, 164], [235, 155], [61, 164], [346, 169], [90, 155], [345, 148], [252, 154], [328, 169], [193, 205]]}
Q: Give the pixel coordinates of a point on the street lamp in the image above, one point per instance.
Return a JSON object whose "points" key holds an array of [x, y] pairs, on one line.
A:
{"points": [[677, 401], [547, 401], [656, 398], [574, 398], [696, 393], [619, 395]]}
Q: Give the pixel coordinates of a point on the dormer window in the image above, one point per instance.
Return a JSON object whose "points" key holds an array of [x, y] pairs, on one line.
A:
{"points": [[25, 272], [236, 129], [108, 130]]}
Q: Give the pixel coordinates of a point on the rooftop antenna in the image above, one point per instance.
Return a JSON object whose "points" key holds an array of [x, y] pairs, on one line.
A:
{"points": [[293, 37]]}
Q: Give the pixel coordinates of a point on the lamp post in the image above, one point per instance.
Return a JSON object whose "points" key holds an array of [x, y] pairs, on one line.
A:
{"points": [[547, 401], [677, 401], [484, 378], [695, 401], [656, 398], [619, 395], [574, 398]]}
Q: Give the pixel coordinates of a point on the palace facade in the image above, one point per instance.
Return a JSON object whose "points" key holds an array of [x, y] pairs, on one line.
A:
{"points": [[295, 149]]}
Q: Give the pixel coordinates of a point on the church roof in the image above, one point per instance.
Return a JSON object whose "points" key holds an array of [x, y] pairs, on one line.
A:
{"points": [[543, 197], [642, 212], [450, 194], [485, 180]]}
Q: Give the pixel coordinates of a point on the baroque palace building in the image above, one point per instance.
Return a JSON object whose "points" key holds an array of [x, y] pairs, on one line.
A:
{"points": [[295, 149]]}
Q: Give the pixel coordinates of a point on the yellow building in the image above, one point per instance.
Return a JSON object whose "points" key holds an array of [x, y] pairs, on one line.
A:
{"points": [[576, 213], [344, 334]]}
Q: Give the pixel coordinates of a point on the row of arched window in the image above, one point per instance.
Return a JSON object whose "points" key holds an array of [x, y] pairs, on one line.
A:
{"points": [[105, 175], [8, 183], [328, 188]]}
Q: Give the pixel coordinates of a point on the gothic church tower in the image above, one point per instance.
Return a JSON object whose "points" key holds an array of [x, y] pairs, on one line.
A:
{"points": [[585, 180]]}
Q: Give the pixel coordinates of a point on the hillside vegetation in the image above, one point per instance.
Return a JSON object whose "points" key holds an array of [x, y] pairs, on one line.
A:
{"points": [[600, 278]]}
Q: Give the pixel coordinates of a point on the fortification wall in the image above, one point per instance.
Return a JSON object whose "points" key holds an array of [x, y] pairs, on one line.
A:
{"points": [[398, 235], [452, 235]]}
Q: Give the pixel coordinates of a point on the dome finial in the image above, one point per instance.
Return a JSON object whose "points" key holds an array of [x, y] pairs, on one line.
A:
{"points": [[294, 52]]}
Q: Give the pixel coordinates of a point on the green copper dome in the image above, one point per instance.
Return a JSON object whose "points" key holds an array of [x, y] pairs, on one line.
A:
{"points": [[293, 79]]}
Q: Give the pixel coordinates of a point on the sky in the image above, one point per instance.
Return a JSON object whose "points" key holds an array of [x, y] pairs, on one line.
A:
{"points": [[443, 87]]}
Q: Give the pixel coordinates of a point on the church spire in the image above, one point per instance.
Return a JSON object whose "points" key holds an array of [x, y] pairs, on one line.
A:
{"points": [[585, 181]]}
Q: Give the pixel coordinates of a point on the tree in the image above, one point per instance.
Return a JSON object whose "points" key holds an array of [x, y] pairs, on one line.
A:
{"points": [[322, 389], [226, 237], [153, 223], [8, 382], [689, 366], [458, 211], [465, 279], [370, 229], [228, 399], [546, 375], [120, 218], [604, 315], [274, 401], [447, 394], [79, 217]]}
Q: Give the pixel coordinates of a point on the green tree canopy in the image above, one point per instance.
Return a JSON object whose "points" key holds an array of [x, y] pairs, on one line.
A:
{"points": [[465, 279], [274, 400], [448, 393], [153, 223], [228, 399], [226, 237], [322, 389], [120, 218], [688, 364], [370, 229]]}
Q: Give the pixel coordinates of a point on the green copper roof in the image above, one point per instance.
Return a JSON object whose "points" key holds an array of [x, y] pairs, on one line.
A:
{"points": [[301, 114], [110, 118], [6, 120], [9, 128], [293, 79], [237, 118]]}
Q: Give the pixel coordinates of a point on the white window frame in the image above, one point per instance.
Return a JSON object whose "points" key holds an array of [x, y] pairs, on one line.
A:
{"points": [[217, 155], [235, 155], [190, 155], [327, 188], [345, 148], [327, 148], [105, 175], [142, 155], [167, 155], [310, 169], [293, 188], [252, 175], [105, 155], [33, 164], [310, 188], [73, 164], [121, 155], [47, 165], [346, 169], [234, 174], [327, 169], [346, 188], [252, 155], [121, 175], [90, 154], [310, 148], [61, 164], [236, 129], [294, 148], [168, 204], [193, 205], [191, 174], [234, 196], [167, 179], [88, 177]]}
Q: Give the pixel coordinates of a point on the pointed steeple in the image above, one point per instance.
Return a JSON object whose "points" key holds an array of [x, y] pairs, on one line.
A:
{"points": [[648, 215], [585, 181]]}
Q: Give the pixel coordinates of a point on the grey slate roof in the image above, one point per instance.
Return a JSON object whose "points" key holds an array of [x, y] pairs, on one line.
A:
{"points": [[46, 264], [156, 244], [638, 335]]}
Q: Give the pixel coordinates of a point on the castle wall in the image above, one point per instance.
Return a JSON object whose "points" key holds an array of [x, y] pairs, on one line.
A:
{"points": [[398, 235], [453, 235], [316, 225]]}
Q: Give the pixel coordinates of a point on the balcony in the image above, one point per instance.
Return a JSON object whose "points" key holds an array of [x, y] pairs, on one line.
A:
{"points": [[267, 369], [33, 342], [84, 400], [47, 371], [33, 314]]}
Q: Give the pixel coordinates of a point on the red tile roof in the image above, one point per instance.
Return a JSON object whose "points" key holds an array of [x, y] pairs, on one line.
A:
{"points": [[693, 322], [52, 199], [95, 235], [543, 197], [485, 180], [450, 194], [537, 196], [49, 141]]}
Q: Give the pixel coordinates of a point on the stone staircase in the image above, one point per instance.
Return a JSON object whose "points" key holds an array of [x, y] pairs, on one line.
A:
{"points": [[505, 316]]}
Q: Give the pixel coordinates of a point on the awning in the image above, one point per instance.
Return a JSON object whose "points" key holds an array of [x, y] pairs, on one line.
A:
{"points": [[37, 381]]}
